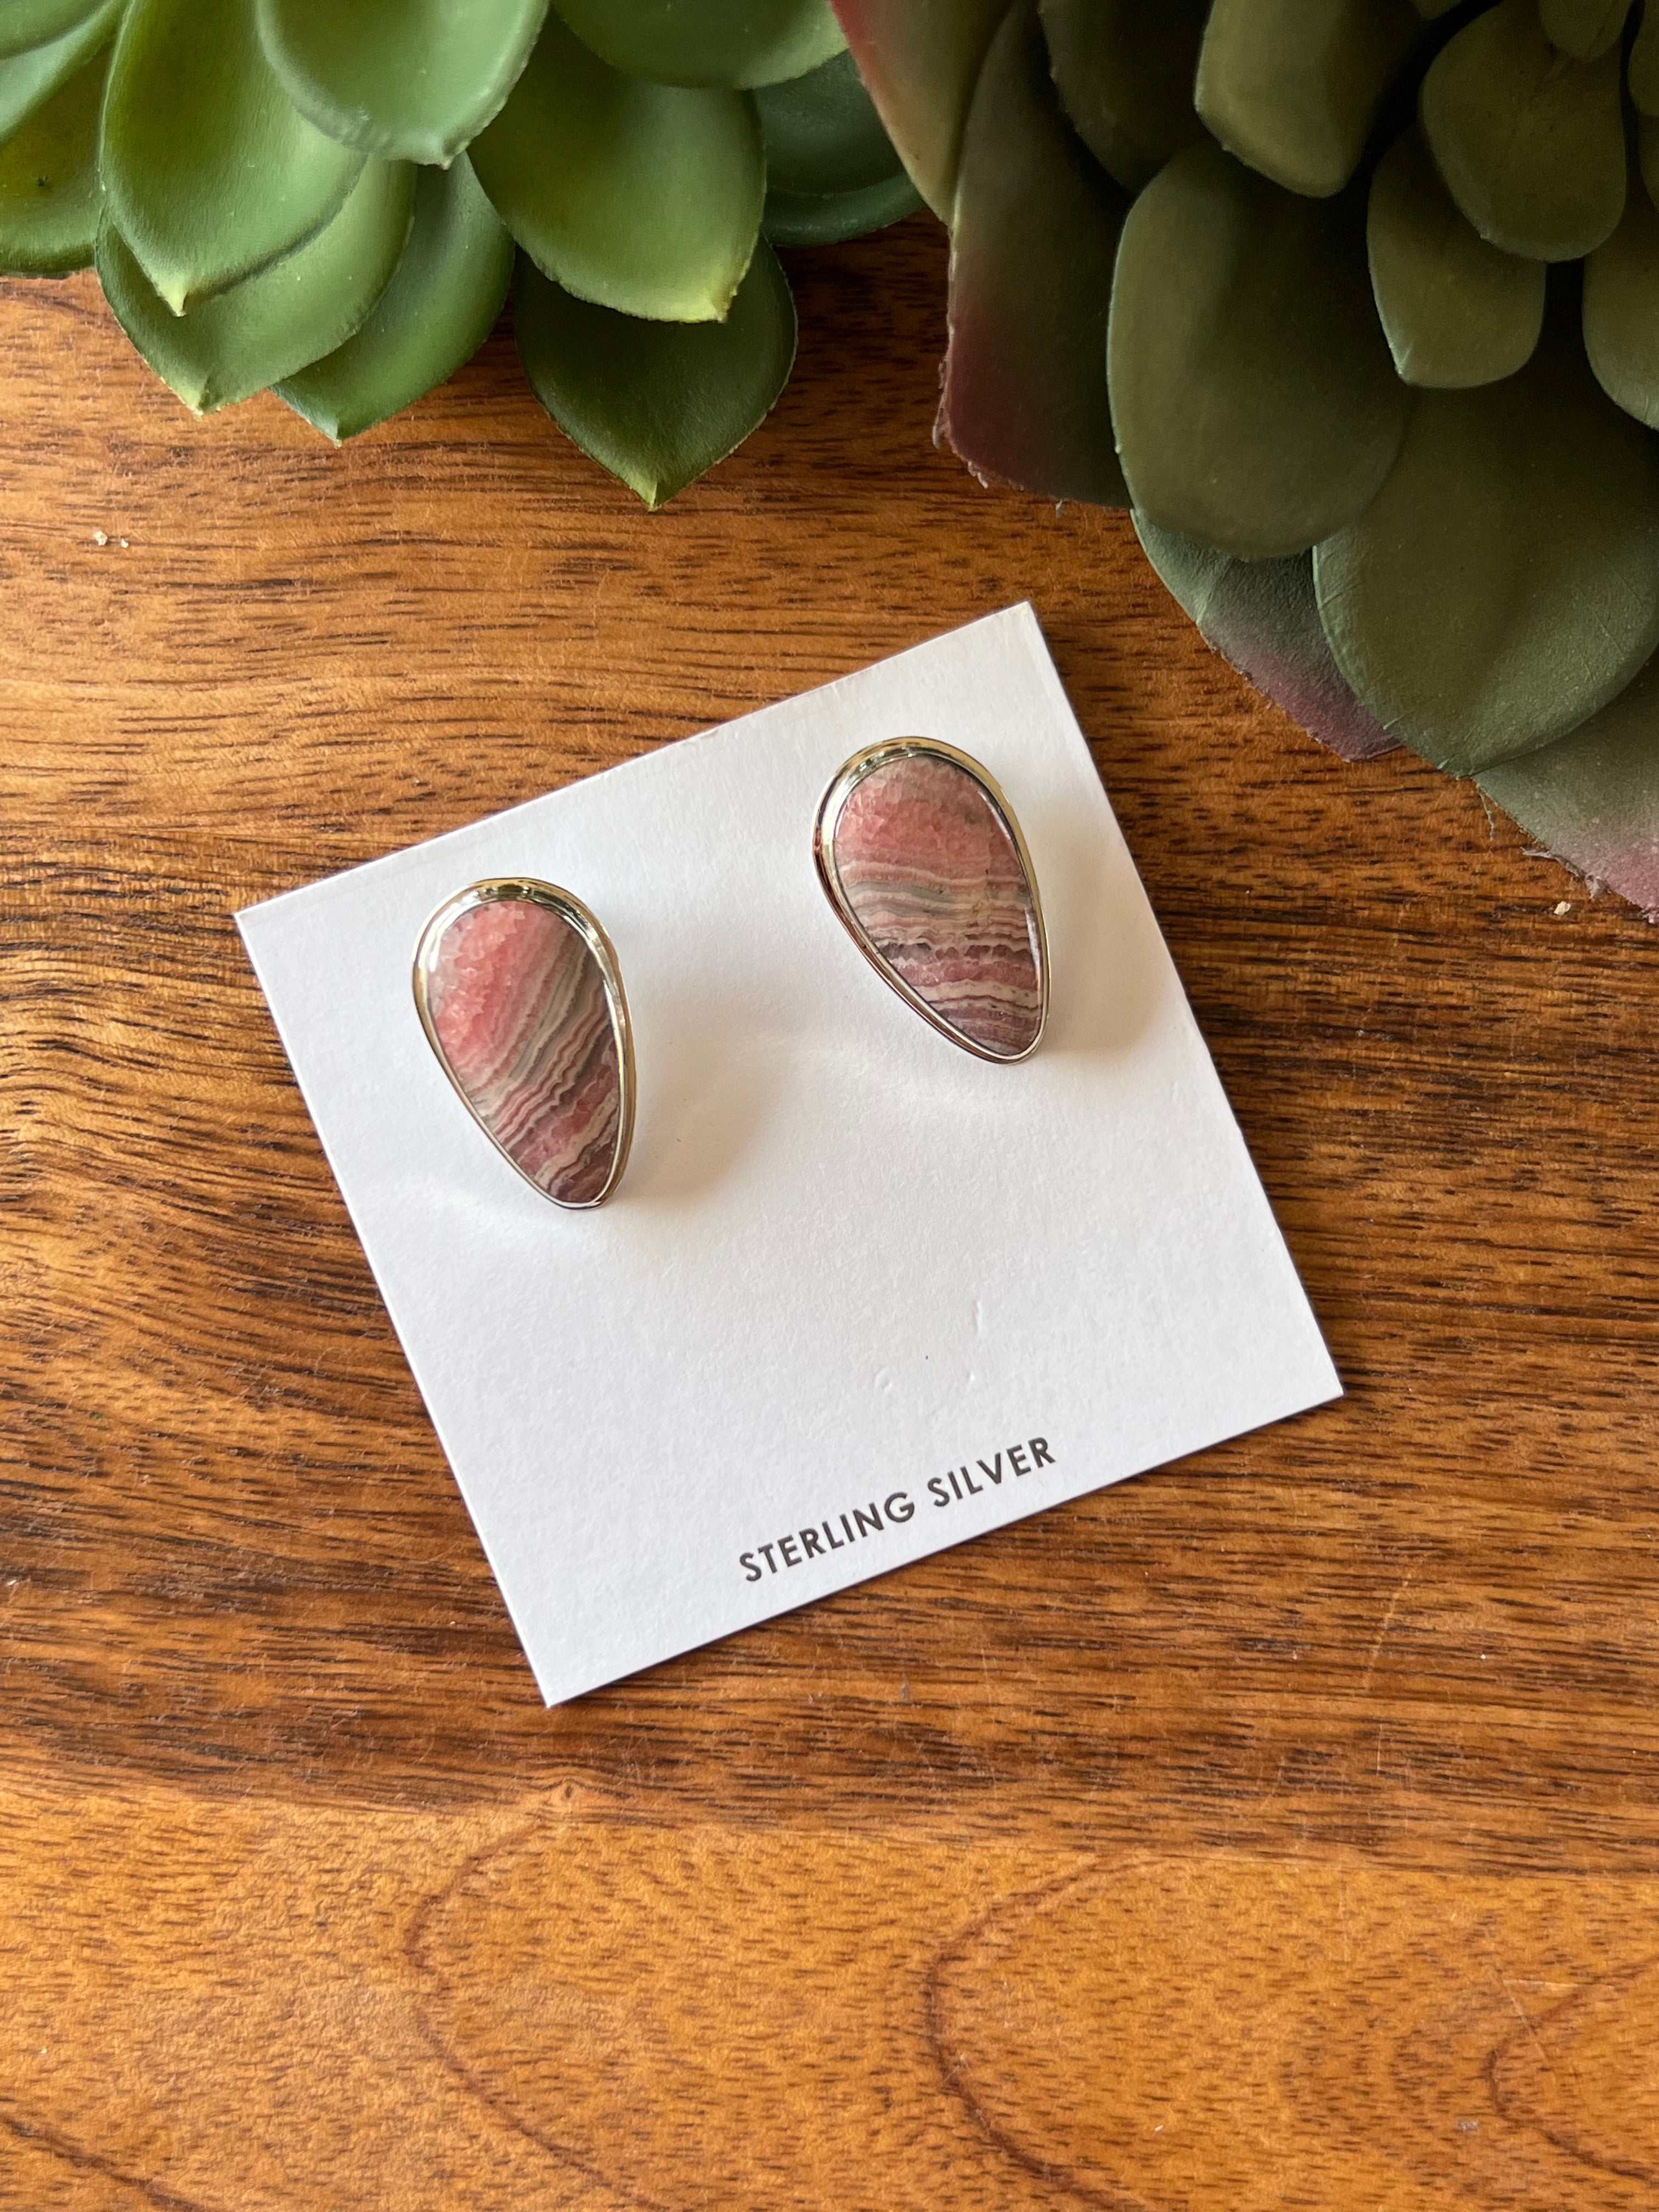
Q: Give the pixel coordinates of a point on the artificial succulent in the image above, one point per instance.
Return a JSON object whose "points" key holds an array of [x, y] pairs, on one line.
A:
{"points": [[332, 199], [1356, 303]]}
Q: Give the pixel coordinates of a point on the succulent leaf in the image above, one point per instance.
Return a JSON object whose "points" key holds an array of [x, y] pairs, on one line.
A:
{"points": [[742, 44], [438, 309], [1262, 616], [28, 23], [656, 402], [1532, 144], [210, 170], [28, 81], [1456, 312], [1293, 87], [1583, 28], [413, 80], [798, 219], [1124, 74], [1643, 73], [831, 173], [1592, 797], [641, 197], [921, 60], [1036, 232], [1256, 406], [1503, 585], [51, 201], [261, 331], [1621, 312]]}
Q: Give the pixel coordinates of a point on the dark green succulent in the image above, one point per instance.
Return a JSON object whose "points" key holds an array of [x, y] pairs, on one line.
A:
{"points": [[1356, 303], [331, 198]]}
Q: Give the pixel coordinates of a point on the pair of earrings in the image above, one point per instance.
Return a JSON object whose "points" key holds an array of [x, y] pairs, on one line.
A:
{"points": [[919, 854]]}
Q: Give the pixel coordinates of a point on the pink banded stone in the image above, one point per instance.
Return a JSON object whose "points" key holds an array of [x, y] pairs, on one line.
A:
{"points": [[517, 1003], [936, 884]]}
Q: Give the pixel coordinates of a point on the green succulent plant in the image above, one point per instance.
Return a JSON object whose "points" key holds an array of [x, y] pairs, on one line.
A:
{"points": [[1356, 304], [332, 200]]}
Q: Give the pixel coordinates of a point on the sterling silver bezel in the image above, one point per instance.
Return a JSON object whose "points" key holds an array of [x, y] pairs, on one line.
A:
{"points": [[570, 910], [841, 786]]}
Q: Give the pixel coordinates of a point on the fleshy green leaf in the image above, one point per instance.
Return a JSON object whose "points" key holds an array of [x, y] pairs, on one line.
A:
{"points": [[266, 328], [1504, 583], [1125, 73], [1456, 311], [26, 23], [1293, 87], [641, 197], [794, 219], [1621, 312], [439, 308], [1263, 617], [414, 79], [1592, 798], [921, 60], [1644, 62], [1031, 255], [742, 44], [656, 402], [1532, 144], [1257, 407], [1583, 28], [49, 198], [831, 171], [28, 81], [211, 171]]}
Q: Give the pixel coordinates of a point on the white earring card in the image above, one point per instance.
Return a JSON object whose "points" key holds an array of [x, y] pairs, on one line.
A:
{"points": [[860, 1295]]}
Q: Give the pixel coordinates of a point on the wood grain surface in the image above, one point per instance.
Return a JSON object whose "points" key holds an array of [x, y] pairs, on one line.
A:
{"points": [[1281, 1829]]}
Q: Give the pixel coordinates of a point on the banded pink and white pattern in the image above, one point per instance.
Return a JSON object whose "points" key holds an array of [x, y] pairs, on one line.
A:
{"points": [[518, 1004], [935, 882]]}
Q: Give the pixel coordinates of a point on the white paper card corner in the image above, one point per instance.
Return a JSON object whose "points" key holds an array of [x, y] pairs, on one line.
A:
{"points": [[860, 1296]]}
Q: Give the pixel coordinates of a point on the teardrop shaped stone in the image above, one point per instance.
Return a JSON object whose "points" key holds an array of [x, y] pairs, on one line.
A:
{"points": [[524, 1027], [936, 888]]}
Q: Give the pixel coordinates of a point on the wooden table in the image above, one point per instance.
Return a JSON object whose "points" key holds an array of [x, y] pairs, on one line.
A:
{"points": [[1278, 1830]]}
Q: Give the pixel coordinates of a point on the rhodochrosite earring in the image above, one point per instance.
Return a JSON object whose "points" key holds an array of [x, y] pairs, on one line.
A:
{"points": [[519, 993], [923, 860]]}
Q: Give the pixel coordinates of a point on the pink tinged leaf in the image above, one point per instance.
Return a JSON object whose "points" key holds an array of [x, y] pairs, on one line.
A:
{"points": [[1032, 253], [1592, 798], [1262, 617], [920, 60]]}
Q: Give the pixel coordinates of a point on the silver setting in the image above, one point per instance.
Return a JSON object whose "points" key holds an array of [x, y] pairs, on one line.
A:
{"points": [[570, 909], [842, 785]]}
